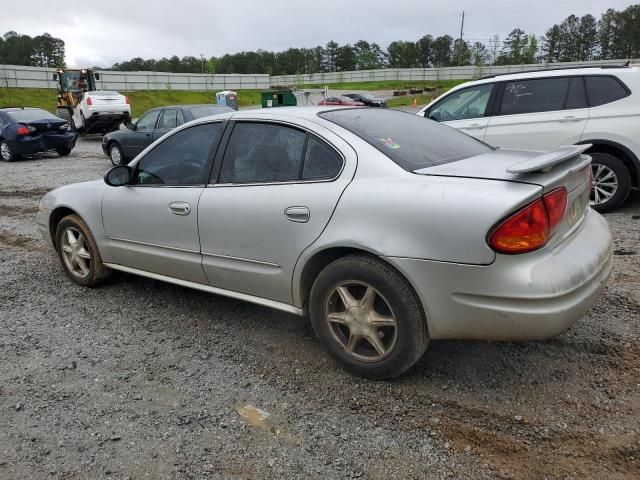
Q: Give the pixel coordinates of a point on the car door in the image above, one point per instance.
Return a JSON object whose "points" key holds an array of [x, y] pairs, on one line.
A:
{"points": [[467, 109], [277, 188], [539, 114], [142, 136], [152, 224], [168, 121]]}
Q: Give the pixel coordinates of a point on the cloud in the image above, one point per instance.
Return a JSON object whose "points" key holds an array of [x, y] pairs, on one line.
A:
{"points": [[119, 30]]}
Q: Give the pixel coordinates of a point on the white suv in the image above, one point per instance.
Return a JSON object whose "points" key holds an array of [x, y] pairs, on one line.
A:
{"points": [[543, 110]]}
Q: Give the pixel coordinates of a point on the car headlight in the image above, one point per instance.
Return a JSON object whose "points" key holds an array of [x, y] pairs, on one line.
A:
{"points": [[66, 127]]}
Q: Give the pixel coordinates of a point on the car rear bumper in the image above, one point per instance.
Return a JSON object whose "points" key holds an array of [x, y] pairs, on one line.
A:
{"points": [[119, 110], [42, 221], [43, 142], [518, 297]]}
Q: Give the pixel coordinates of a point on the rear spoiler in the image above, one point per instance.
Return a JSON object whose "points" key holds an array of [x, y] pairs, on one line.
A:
{"points": [[546, 161]]}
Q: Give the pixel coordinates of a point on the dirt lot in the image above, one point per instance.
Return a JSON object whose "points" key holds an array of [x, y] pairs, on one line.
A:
{"points": [[140, 379]]}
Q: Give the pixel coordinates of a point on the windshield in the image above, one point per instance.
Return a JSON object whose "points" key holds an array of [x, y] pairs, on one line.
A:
{"points": [[31, 115], [411, 141], [208, 110]]}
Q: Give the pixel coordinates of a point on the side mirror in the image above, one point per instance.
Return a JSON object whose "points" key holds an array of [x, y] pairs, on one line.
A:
{"points": [[130, 125], [96, 76], [55, 77], [119, 176]]}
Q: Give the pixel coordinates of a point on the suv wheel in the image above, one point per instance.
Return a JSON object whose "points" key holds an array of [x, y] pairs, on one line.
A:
{"points": [[367, 317], [610, 182]]}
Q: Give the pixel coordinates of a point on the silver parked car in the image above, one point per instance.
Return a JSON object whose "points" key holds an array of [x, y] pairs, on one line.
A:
{"points": [[386, 229]]}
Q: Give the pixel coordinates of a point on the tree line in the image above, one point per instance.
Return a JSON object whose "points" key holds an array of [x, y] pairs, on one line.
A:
{"points": [[41, 51]]}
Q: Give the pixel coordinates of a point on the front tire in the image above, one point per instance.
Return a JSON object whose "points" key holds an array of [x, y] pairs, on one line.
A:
{"points": [[6, 152], [78, 252], [367, 317], [117, 155], [611, 182]]}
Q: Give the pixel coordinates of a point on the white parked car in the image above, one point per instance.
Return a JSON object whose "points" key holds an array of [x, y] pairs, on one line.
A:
{"points": [[101, 112], [546, 109]]}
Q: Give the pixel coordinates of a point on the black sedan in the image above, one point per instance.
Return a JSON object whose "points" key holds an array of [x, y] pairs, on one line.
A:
{"points": [[368, 99], [24, 131], [124, 144]]}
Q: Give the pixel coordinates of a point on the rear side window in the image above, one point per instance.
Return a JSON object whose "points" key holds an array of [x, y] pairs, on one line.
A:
{"points": [[266, 153], [537, 95], [604, 89], [411, 141], [577, 96]]}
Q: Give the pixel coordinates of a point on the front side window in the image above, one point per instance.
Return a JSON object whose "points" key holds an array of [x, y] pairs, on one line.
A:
{"points": [[601, 90], [262, 152], [181, 159], [148, 120], [531, 96], [468, 103]]}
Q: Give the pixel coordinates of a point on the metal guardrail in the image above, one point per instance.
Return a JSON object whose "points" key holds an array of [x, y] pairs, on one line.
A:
{"points": [[15, 76], [427, 74]]}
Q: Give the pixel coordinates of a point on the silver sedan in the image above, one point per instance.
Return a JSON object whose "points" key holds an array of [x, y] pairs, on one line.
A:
{"points": [[386, 229]]}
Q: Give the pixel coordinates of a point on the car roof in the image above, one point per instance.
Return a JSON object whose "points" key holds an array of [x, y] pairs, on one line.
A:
{"points": [[553, 72]]}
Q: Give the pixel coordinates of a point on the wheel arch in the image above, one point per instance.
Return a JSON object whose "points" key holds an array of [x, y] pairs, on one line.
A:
{"points": [[320, 259], [56, 216], [617, 150]]}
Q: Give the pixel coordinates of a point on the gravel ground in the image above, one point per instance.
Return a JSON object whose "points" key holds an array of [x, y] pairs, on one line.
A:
{"points": [[144, 380]]}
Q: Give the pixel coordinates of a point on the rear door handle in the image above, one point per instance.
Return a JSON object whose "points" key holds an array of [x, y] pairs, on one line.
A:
{"points": [[570, 118], [180, 208], [297, 214], [473, 126]]}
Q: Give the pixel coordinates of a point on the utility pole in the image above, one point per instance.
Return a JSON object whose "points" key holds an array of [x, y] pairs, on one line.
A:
{"points": [[460, 42], [202, 58]]}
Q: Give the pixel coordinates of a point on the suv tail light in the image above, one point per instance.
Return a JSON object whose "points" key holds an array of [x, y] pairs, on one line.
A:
{"points": [[531, 227], [89, 102]]}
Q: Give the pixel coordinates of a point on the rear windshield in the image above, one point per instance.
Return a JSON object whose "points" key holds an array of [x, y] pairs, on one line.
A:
{"points": [[104, 92], [411, 141], [31, 115], [208, 110]]}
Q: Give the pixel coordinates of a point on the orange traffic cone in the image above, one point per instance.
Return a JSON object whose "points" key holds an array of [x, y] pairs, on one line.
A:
{"points": [[415, 103]]}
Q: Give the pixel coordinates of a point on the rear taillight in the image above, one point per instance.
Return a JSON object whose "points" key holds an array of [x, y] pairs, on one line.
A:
{"points": [[22, 131], [531, 227], [89, 102], [126, 100]]}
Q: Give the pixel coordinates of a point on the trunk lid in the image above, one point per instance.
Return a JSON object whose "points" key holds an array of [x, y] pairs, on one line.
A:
{"points": [[46, 125], [106, 98], [566, 167]]}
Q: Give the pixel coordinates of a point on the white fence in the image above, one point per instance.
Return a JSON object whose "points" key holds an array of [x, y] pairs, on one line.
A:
{"points": [[424, 74], [37, 77]]}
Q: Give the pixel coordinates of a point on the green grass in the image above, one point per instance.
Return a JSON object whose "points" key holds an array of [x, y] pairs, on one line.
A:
{"points": [[407, 100], [387, 85], [141, 101]]}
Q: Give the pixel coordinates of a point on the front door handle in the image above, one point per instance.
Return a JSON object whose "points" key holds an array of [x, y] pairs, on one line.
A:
{"points": [[473, 126], [297, 214], [180, 208], [569, 118]]}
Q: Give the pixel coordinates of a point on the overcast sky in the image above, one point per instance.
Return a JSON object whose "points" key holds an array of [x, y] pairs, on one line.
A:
{"points": [[102, 33]]}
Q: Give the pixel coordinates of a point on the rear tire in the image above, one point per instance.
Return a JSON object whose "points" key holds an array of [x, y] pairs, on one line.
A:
{"points": [[78, 252], [611, 182], [64, 152], [6, 152], [383, 333]]}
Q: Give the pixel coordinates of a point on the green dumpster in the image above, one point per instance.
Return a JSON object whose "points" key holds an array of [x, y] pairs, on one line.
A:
{"points": [[278, 98]]}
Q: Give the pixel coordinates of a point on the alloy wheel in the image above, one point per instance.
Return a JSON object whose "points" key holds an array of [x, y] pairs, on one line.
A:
{"points": [[361, 321], [116, 155], [75, 253], [604, 183], [5, 152]]}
